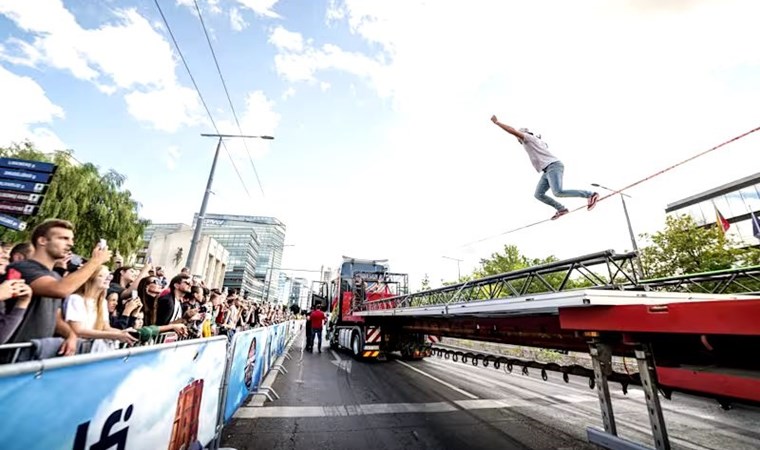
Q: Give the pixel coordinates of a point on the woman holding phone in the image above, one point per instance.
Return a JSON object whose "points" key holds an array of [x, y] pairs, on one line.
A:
{"points": [[86, 311]]}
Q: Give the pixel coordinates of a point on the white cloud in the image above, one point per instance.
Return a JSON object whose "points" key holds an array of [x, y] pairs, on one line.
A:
{"points": [[172, 156], [261, 7], [258, 118], [26, 107], [289, 92], [237, 22], [298, 61], [324, 86], [286, 40], [165, 109], [126, 54]]}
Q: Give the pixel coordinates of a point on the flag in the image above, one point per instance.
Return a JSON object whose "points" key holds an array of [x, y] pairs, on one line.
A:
{"points": [[721, 221], [755, 225]]}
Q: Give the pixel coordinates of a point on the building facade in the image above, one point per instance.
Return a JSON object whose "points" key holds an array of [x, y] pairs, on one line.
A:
{"points": [[735, 201], [168, 246], [270, 240]]}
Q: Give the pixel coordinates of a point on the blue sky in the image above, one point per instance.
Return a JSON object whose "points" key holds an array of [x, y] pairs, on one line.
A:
{"points": [[380, 111]]}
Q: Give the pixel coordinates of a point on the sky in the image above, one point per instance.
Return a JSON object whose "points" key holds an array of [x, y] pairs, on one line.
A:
{"points": [[380, 111]]}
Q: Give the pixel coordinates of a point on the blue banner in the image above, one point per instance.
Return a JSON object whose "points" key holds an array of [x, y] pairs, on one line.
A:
{"points": [[165, 396], [25, 175], [27, 165], [249, 365]]}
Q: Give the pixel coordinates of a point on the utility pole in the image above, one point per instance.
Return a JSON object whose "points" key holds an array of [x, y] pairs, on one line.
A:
{"points": [[204, 203], [459, 273], [639, 267]]}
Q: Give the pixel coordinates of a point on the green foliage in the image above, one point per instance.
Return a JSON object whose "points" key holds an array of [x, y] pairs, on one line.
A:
{"points": [[683, 248], [512, 259], [95, 203], [425, 284]]}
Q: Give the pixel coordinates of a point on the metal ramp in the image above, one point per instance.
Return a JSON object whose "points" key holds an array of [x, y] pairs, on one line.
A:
{"points": [[571, 278], [598, 270]]}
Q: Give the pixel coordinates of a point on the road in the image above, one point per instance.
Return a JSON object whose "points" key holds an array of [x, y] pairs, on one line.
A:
{"points": [[329, 401]]}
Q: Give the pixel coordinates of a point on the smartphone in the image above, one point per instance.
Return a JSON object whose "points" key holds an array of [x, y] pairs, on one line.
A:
{"points": [[134, 334], [102, 244], [150, 260], [13, 274], [134, 294]]}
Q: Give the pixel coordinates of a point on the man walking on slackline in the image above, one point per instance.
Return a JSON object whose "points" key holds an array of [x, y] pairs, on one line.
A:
{"points": [[552, 169]]}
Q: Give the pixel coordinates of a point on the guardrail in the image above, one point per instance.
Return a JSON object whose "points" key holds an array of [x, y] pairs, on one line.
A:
{"points": [[173, 395]]}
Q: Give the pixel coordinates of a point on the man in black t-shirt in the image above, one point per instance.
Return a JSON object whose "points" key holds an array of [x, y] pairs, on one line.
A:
{"points": [[52, 241]]}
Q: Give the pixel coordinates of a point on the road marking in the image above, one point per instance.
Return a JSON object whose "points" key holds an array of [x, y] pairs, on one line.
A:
{"points": [[343, 364], [343, 411], [270, 412], [448, 385]]}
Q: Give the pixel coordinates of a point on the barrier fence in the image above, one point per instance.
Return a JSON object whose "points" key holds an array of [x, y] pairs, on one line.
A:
{"points": [[176, 396]]}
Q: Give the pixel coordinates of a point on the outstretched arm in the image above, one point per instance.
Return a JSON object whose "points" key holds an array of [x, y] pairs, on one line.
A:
{"points": [[508, 129]]}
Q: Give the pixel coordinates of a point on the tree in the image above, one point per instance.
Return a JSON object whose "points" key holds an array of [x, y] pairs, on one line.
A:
{"points": [[95, 203], [511, 259], [683, 247], [425, 284]]}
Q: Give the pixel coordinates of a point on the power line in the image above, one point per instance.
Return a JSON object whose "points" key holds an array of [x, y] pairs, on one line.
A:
{"points": [[227, 92], [635, 183], [197, 90]]}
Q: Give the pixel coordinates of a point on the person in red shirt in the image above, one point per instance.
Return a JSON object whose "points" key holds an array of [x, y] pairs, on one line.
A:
{"points": [[317, 318]]}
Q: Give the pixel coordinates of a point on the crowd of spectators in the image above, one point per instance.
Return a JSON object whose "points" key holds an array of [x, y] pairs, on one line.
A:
{"points": [[54, 303]]}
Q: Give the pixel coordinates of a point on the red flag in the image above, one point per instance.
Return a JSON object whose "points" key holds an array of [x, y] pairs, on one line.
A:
{"points": [[721, 221]]}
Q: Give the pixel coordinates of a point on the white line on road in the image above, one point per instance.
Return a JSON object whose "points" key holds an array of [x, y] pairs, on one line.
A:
{"points": [[448, 385], [378, 408], [343, 411]]}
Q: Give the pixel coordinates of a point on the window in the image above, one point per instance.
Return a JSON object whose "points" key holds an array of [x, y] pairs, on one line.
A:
{"points": [[751, 197]]}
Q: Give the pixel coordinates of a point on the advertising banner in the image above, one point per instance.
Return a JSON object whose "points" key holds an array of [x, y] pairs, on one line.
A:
{"points": [[160, 397], [247, 369]]}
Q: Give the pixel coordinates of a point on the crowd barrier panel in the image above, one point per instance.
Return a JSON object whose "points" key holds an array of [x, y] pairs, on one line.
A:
{"points": [[176, 395]]}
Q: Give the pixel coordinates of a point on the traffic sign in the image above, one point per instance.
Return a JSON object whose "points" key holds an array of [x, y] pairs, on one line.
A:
{"points": [[23, 186], [12, 223], [25, 175], [15, 208], [24, 164], [34, 199]]}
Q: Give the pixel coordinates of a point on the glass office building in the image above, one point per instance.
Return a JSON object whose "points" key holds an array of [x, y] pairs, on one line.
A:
{"points": [[735, 201], [257, 243]]}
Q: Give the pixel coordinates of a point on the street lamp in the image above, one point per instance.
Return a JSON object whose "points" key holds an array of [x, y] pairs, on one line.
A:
{"points": [[459, 273], [204, 203], [639, 268]]}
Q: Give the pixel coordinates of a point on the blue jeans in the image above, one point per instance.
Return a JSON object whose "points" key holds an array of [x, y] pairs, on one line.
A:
{"points": [[552, 178], [318, 334]]}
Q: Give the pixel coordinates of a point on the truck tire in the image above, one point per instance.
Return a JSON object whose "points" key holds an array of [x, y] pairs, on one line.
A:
{"points": [[356, 345]]}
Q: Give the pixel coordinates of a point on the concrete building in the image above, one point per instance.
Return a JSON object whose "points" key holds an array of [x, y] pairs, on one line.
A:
{"points": [[256, 244], [167, 244], [735, 201]]}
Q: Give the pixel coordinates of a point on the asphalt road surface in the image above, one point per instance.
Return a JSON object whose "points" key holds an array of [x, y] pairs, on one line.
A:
{"points": [[329, 401]]}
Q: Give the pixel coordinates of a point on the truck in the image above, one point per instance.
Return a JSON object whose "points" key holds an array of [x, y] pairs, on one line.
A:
{"points": [[363, 282]]}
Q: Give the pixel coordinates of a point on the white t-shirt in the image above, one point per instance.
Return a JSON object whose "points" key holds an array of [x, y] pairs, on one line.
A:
{"points": [[77, 310], [538, 152]]}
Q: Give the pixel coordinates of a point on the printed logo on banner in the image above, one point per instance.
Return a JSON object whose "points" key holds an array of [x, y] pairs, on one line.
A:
{"points": [[118, 403], [247, 368]]}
